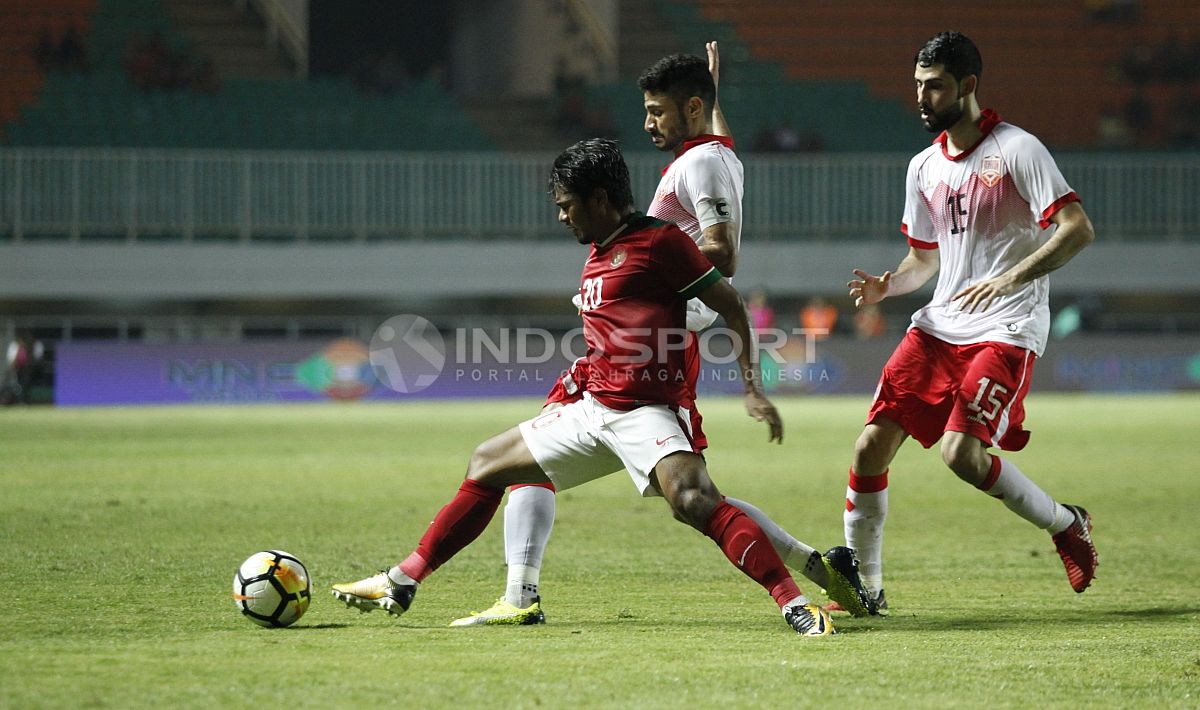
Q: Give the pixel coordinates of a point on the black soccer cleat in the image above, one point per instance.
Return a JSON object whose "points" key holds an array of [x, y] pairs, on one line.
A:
{"points": [[845, 587]]}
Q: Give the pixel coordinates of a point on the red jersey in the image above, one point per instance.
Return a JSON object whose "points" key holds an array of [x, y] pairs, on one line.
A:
{"points": [[634, 288]]}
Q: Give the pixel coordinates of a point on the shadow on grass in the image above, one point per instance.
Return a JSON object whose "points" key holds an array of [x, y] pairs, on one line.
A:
{"points": [[1060, 617], [317, 627]]}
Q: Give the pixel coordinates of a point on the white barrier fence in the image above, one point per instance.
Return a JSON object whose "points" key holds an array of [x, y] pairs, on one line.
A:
{"points": [[147, 194]]}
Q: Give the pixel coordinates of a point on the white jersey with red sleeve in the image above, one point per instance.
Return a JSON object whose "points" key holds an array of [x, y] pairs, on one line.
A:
{"points": [[703, 186], [985, 210]]}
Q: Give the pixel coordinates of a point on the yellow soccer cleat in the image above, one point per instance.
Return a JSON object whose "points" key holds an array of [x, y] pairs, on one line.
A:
{"points": [[504, 614], [376, 592], [808, 620]]}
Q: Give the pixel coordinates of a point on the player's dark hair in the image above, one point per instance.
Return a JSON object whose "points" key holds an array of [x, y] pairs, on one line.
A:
{"points": [[680, 76], [590, 165], [954, 51]]}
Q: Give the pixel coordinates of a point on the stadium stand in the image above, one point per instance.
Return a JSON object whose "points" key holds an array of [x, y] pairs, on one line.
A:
{"points": [[104, 107], [1059, 46]]}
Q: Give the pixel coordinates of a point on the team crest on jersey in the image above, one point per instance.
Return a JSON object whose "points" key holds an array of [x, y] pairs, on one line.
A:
{"points": [[618, 258], [990, 170]]}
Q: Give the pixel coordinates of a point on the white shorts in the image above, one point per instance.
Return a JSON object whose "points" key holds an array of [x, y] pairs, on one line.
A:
{"points": [[585, 440]]}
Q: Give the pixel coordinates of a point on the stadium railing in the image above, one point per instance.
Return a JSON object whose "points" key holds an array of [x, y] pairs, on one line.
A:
{"points": [[243, 196]]}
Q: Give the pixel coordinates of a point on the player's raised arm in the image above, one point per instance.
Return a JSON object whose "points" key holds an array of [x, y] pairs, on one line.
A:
{"points": [[720, 126], [724, 299], [1074, 232], [913, 271]]}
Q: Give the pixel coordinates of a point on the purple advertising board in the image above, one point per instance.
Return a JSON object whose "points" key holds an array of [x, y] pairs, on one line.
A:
{"points": [[471, 364]]}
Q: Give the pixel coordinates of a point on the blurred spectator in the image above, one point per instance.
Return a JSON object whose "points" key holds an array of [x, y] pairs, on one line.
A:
{"points": [[1183, 128], [762, 316], [152, 64], [785, 138], [205, 79], [869, 322], [382, 73], [1112, 10], [45, 53], [18, 367], [1111, 129], [1172, 60], [818, 317], [72, 53], [69, 54], [1139, 115]]}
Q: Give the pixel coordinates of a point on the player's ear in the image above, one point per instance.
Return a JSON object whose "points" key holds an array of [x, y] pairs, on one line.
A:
{"points": [[695, 107], [968, 85], [598, 199]]}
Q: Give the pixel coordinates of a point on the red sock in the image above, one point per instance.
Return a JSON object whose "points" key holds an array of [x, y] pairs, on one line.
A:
{"points": [[455, 527], [749, 549]]}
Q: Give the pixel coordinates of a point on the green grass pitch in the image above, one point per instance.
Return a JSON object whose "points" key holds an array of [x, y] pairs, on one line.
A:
{"points": [[121, 530]]}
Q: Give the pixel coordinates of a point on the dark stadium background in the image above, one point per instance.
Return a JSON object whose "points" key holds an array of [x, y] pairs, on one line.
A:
{"points": [[192, 177]]}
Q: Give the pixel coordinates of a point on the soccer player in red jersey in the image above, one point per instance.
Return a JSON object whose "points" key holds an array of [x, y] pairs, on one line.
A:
{"points": [[701, 191], [638, 276], [978, 208]]}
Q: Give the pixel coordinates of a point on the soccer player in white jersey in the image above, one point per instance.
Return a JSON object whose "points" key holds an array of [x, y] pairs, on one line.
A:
{"points": [[701, 191], [979, 206]]}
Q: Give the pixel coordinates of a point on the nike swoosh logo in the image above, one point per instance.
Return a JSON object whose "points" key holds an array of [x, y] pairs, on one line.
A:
{"points": [[660, 442], [746, 552]]}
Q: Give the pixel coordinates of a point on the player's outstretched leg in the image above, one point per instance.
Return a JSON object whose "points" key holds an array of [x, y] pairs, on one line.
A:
{"points": [[683, 480], [497, 463], [836, 571], [454, 527], [1069, 526]]}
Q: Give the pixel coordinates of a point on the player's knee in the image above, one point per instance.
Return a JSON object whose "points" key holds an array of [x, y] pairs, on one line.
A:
{"points": [[872, 453], [966, 457], [484, 460], [694, 505]]}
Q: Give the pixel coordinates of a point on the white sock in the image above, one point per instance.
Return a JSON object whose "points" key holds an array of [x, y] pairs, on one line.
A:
{"points": [[798, 601], [522, 587], [795, 554], [866, 511], [1023, 497], [398, 577], [528, 520]]}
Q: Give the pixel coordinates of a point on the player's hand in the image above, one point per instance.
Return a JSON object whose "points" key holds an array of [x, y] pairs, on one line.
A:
{"points": [[714, 62], [761, 409], [977, 297], [868, 289]]}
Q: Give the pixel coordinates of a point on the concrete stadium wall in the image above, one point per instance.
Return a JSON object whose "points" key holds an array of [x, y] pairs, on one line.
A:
{"points": [[433, 270]]}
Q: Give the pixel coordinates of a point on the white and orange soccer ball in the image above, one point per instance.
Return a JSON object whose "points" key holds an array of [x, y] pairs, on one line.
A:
{"points": [[271, 588]]}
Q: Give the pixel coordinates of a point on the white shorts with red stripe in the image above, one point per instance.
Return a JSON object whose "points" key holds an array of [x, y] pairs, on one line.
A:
{"points": [[585, 440]]}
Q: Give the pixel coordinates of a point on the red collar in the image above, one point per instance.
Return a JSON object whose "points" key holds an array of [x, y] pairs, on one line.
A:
{"points": [[988, 120], [703, 139]]}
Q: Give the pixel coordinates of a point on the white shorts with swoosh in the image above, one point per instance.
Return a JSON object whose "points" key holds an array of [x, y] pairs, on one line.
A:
{"points": [[586, 440]]}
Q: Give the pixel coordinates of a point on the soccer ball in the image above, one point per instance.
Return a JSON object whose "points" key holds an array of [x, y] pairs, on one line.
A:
{"points": [[271, 588]]}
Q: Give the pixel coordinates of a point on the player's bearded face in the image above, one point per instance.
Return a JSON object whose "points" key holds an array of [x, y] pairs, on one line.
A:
{"points": [[939, 98], [938, 121], [665, 121]]}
